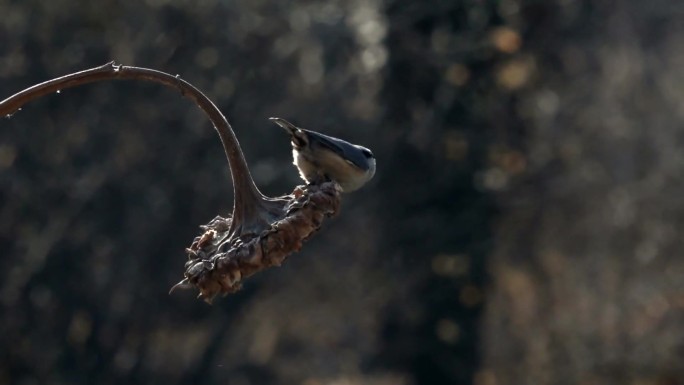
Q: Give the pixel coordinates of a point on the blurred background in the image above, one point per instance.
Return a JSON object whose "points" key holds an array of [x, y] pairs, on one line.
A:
{"points": [[524, 225]]}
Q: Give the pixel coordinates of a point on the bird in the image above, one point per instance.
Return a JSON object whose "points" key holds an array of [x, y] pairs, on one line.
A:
{"points": [[320, 158]]}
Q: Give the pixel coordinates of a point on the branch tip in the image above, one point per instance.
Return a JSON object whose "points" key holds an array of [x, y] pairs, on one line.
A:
{"points": [[183, 284]]}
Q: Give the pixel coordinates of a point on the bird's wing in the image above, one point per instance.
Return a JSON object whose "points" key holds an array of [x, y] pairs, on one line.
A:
{"points": [[343, 148]]}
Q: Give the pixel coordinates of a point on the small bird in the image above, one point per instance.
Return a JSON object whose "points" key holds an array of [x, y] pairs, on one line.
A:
{"points": [[322, 158]]}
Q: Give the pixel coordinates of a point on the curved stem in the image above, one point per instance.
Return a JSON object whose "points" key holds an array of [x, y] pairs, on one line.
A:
{"points": [[248, 198]]}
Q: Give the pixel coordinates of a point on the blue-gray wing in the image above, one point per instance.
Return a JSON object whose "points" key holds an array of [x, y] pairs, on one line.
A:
{"points": [[343, 148]]}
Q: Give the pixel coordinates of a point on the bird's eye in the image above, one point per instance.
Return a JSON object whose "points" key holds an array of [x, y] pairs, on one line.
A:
{"points": [[366, 152]]}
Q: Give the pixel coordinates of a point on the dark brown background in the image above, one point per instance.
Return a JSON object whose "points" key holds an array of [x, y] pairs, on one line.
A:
{"points": [[524, 225]]}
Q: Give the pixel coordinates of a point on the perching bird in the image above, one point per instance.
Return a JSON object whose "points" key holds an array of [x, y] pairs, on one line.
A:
{"points": [[321, 158]]}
